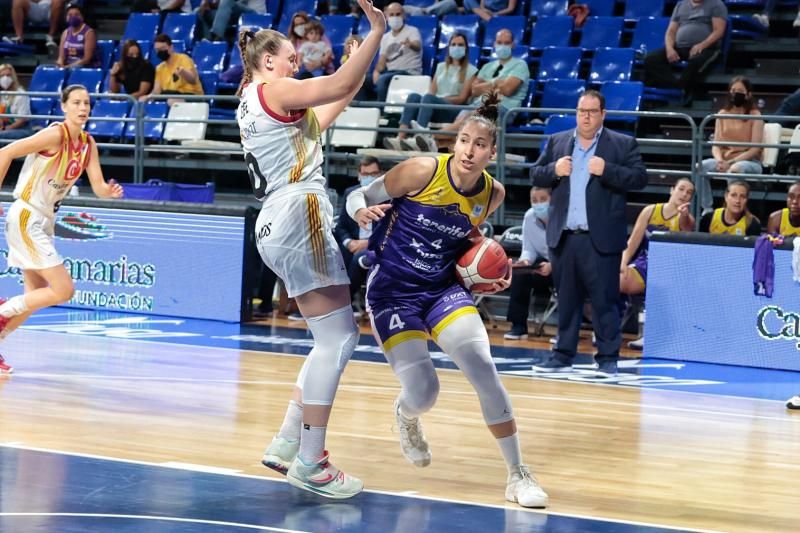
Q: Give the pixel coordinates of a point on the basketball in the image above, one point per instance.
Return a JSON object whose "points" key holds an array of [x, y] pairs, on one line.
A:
{"points": [[484, 263]]}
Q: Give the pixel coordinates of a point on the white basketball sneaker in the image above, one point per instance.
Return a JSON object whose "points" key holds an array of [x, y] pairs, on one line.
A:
{"points": [[412, 439], [280, 453], [323, 478], [522, 488]]}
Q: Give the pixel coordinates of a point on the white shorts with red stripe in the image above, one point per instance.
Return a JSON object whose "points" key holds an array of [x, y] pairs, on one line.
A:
{"points": [[30, 238]]}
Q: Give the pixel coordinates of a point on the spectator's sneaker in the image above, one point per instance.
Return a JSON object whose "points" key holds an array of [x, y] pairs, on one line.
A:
{"points": [[638, 344], [412, 439], [594, 340], [52, 45], [323, 478], [297, 317], [553, 340], [392, 143], [5, 368], [551, 366], [12, 39], [793, 403], [607, 368], [426, 143], [796, 22], [417, 126], [762, 19], [280, 453], [522, 488], [518, 332], [409, 145]]}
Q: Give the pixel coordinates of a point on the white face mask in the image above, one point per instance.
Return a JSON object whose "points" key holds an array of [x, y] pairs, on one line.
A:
{"points": [[6, 81], [395, 22], [300, 30]]}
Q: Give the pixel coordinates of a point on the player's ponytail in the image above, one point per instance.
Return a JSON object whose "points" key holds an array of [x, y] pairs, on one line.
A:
{"points": [[252, 47], [486, 115]]}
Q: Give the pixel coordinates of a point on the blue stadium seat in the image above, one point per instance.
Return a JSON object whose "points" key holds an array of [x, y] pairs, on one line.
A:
{"points": [[649, 35], [561, 94], [141, 27], [551, 31], [210, 56], [235, 57], [180, 27], [557, 123], [604, 8], [338, 27], [622, 96], [290, 8], [177, 46], [428, 26], [547, 8], [274, 8], [559, 63], [91, 78], [108, 129], [611, 64], [601, 32], [210, 81], [469, 25], [514, 23], [153, 131], [640, 9], [256, 21], [46, 78], [105, 51], [745, 27]]}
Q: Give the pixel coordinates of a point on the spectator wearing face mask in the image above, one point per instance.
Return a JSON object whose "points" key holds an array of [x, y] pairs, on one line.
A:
{"points": [[13, 128], [532, 271], [132, 72], [78, 46], [734, 159], [177, 73], [353, 239], [488, 9], [400, 53]]}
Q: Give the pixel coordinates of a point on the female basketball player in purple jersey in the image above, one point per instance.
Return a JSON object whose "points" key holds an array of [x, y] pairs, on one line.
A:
{"points": [[436, 204]]}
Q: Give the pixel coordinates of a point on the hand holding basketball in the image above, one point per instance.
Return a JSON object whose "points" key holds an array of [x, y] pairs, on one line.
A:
{"points": [[484, 267]]}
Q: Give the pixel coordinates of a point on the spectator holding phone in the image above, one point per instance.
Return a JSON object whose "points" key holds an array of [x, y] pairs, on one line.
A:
{"points": [[532, 271], [177, 73]]}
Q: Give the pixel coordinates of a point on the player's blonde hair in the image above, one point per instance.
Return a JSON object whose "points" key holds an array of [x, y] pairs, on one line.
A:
{"points": [[253, 45]]}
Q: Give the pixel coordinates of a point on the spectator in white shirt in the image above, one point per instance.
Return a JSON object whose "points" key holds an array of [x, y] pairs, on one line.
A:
{"points": [[400, 52]]}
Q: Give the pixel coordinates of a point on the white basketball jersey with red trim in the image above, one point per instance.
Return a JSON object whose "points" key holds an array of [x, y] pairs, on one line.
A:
{"points": [[278, 150], [45, 178]]}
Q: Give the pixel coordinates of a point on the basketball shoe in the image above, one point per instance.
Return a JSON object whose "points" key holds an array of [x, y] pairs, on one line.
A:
{"points": [[522, 488], [412, 439], [323, 478], [792, 403], [5, 368], [280, 453]]}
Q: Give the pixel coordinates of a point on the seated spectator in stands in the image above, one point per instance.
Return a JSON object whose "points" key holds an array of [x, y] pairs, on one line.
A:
{"points": [[507, 75], [734, 159], [177, 74], [785, 221], [790, 106], [214, 16], [78, 48], [532, 271], [13, 128], [38, 12], [348, 43], [400, 52], [451, 84], [766, 13], [132, 72], [297, 28], [694, 35], [438, 8], [488, 9], [162, 6], [352, 239], [734, 218], [315, 56]]}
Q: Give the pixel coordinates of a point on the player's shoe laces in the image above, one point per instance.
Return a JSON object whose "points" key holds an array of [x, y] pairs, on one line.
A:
{"points": [[792, 403], [5, 368], [323, 478], [412, 439], [522, 488], [280, 453]]}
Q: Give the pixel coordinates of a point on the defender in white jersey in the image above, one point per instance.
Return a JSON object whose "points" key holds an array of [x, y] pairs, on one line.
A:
{"points": [[281, 119], [56, 157]]}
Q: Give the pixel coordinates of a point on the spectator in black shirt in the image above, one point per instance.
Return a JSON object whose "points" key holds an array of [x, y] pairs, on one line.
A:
{"points": [[132, 71]]}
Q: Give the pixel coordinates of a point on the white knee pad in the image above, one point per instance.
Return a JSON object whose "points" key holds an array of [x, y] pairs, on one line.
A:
{"points": [[413, 367], [335, 338], [466, 342]]}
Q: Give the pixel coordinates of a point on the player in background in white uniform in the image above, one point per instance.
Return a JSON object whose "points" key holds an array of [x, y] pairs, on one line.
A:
{"points": [[56, 157], [281, 119]]}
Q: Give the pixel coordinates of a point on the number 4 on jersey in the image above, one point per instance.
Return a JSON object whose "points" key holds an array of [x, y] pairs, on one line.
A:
{"points": [[395, 322]]}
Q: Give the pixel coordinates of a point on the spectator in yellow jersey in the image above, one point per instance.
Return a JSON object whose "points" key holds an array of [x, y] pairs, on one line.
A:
{"points": [[177, 74]]}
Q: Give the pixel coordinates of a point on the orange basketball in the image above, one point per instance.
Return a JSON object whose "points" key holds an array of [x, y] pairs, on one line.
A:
{"points": [[484, 263]]}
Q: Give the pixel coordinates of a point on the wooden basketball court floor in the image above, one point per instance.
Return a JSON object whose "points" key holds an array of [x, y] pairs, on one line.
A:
{"points": [[124, 423]]}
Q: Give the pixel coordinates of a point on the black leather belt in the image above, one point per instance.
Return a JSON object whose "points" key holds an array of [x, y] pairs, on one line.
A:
{"points": [[576, 231]]}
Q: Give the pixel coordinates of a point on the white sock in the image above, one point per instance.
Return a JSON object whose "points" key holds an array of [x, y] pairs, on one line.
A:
{"points": [[509, 447], [312, 444], [292, 421], [13, 307]]}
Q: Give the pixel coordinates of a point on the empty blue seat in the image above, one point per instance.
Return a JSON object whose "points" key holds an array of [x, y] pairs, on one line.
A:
{"points": [[274, 8], [236, 57], [428, 26], [551, 31], [649, 35], [105, 51], [256, 21], [153, 131], [209, 55], [290, 8], [641, 9], [601, 32], [561, 94], [141, 27], [514, 23], [469, 25], [604, 8], [622, 96], [559, 63], [46, 78], [180, 27], [611, 64], [104, 108], [338, 27], [91, 78], [547, 8], [210, 81], [558, 123]]}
